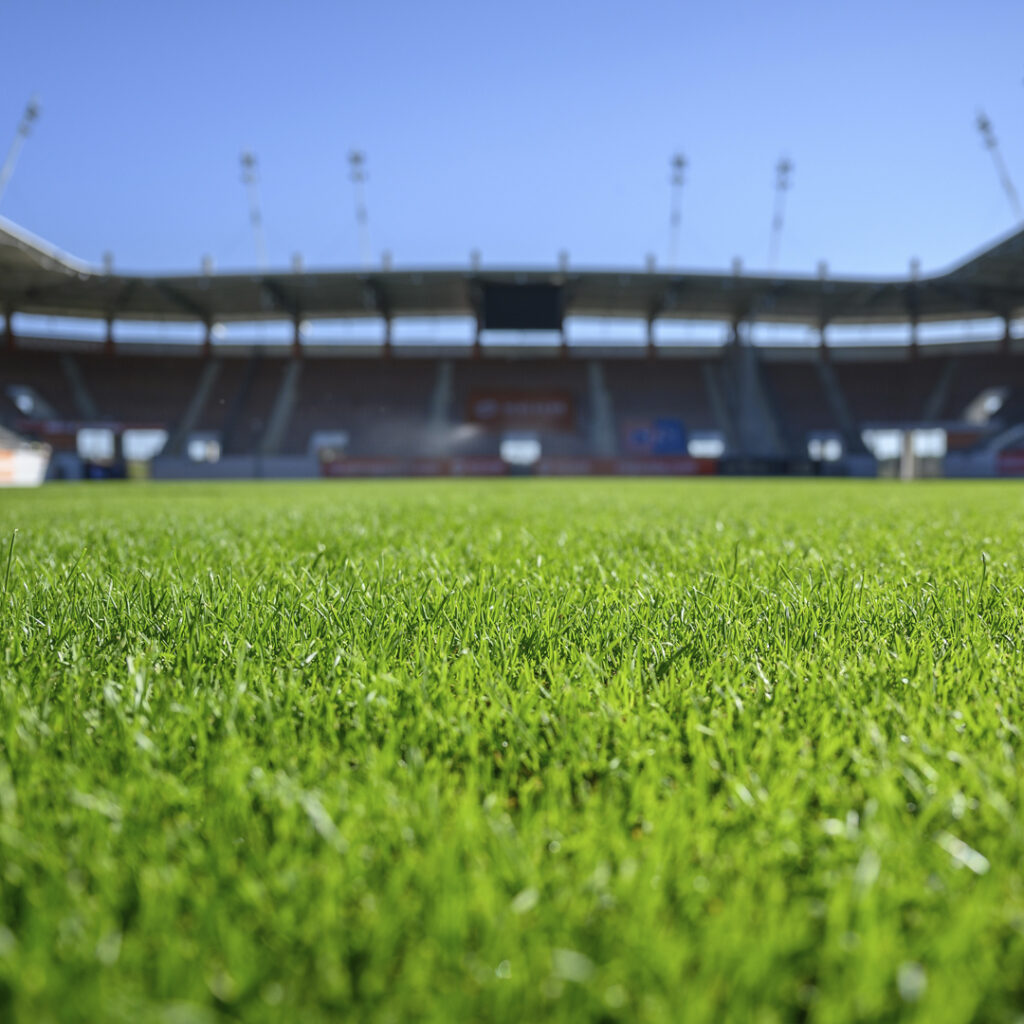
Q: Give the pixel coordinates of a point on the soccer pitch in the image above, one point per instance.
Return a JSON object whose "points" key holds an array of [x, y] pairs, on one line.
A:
{"points": [[517, 750]]}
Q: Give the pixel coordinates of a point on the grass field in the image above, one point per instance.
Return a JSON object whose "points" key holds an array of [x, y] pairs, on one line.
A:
{"points": [[452, 751]]}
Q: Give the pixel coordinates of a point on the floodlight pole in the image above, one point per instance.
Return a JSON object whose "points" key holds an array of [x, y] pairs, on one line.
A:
{"points": [[677, 166], [251, 180], [28, 118], [783, 169], [357, 175], [988, 137]]}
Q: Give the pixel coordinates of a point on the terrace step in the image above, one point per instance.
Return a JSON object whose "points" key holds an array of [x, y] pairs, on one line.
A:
{"points": [[196, 405], [284, 404], [602, 423], [852, 441], [84, 404]]}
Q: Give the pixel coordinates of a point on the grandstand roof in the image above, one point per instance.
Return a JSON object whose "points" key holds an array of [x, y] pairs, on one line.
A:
{"points": [[36, 278]]}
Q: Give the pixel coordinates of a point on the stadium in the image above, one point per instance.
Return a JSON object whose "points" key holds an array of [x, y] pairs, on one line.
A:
{"points": [[474, 371], [601, 638]]}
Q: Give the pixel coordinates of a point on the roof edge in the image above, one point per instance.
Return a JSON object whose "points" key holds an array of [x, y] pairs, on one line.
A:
{"points": [[43, 250]]}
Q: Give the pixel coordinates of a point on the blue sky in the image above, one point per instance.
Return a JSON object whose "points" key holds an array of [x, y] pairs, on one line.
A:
{"points": [[519, 129]]}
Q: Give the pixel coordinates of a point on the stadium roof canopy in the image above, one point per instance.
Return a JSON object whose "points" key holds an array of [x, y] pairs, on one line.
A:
{"points": [[36, 278]]}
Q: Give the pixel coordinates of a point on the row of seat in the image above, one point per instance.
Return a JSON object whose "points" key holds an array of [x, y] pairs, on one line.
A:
{"points": [[389, 406]]}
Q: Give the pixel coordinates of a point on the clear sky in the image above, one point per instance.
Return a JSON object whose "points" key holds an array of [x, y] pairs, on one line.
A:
{"points": [[519, 128]]}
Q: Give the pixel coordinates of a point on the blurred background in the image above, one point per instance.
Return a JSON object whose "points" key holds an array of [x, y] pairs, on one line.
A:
{"points": [[657, 238]]}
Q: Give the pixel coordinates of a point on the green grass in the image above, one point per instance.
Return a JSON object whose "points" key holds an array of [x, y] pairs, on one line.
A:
{"points": [[452, 751]]}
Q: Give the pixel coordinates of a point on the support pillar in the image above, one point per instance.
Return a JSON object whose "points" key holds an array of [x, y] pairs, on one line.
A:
{"points": [[1004, 345], [108, 342], [913, 305], [387, 337], [563, 344], [477, 347], [908, 462], [9, 330], [651, 349], [208, 339], [297, 338]]}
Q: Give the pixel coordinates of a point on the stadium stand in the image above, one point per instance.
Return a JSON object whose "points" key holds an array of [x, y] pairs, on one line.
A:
{"points": [[134, 389], [553, 394], [382, 405], [666, 388], [890, 391], [45, 373], [223, 403], [974, 374], [520, 380], [799, 401], [424, 407], [252, 404]]}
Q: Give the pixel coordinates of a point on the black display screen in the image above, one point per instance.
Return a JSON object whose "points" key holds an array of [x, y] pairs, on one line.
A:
{"points": [[522, 307]]}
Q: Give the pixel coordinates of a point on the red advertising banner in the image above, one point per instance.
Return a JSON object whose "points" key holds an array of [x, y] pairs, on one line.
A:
{"points": [[1010, 463], [666, 465], [959, 440], [478, 465], [522, 410], [554, 465]]}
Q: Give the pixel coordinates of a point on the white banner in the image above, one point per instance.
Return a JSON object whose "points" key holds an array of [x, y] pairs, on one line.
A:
{"points": [[23, 467]]}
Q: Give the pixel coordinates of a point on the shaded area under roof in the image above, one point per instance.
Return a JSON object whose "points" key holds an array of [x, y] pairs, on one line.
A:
{"points": [[35, 278]]}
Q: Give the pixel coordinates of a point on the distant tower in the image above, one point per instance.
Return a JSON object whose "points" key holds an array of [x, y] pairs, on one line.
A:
{"points": [[783, 169], [988, 137], [678, 166], [251, 180], [357, 174], [28, 118]]}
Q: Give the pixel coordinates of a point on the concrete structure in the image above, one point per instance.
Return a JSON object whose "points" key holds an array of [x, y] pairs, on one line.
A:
{"points": [[780, 372]]}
